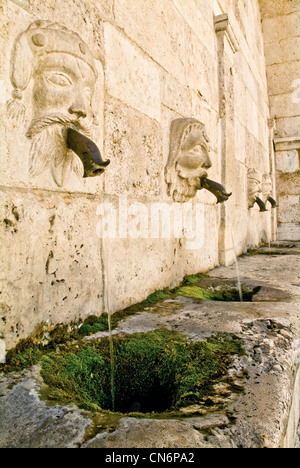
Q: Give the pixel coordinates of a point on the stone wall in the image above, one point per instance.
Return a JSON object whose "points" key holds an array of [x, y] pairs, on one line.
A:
{"points": [[282, 49], [72, 247]]}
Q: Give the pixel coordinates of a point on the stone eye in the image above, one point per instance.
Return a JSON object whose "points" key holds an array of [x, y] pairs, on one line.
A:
{"points": [[59, 79]]}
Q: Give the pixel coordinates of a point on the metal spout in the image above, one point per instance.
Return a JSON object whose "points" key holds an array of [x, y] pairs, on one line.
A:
{"points": [[88, 152], [272, 201], [215, 188], [261, 204]]}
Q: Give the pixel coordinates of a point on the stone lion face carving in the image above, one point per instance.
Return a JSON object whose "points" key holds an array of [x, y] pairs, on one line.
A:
{"points": [[59, 69], [188, 159]]}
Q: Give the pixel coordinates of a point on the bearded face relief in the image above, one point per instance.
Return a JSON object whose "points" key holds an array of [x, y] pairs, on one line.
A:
{"points": [[255, 190], [267, 190], [189, 161], [266, 186], [61, 76]]}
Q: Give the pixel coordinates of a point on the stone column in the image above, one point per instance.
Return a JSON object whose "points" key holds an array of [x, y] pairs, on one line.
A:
{"points": [[274, 214], [287, 175], [227, 47]]}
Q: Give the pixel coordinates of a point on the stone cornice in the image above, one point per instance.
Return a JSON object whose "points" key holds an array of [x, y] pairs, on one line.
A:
{"points": [[287, 143], [223, 25]]}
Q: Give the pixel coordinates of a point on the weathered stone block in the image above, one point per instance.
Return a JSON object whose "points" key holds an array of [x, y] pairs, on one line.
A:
{"points": [[175, 95], [286, 50], [51, 267], [201, 69], [284, 106], [281, 77], [158, 29], [289, 211], [281, 27], [274, 8], [199, 20], [287, 126], [134, 145], [287, 161], [130, 76], [288, 231]]}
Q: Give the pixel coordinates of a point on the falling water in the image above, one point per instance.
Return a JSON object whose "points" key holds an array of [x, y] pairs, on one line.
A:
{"points": [[106, 308], [235, 259], [112, 362]]}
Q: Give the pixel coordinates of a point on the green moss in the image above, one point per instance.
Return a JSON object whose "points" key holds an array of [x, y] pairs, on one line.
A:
{"points": [[193, 279], [80, 376], [212, 294], [25, 355], [94, 324], [156, 371], [209, 361], [61, 337], [195, 292], [266, 252]]}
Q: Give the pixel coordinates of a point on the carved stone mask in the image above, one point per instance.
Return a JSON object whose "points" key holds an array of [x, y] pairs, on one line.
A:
{"points": [[267, 186], [62, 71], [267, 189], [188, 159], [254, 187]]}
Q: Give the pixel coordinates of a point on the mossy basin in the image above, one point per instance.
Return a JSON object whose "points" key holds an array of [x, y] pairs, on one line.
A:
{"points": [[154, 372], [160, 373]]}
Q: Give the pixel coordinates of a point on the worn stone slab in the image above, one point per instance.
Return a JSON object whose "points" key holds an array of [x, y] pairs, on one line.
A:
{"points": [[27, 421], [133, 433]]}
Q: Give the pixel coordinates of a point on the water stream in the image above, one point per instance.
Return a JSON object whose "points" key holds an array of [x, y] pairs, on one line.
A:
{"points": [[112, 363], [235, 259], [106, 305], [106, 308]]}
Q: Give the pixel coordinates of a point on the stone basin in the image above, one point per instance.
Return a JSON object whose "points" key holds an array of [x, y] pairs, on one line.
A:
{"points": [[265, 414]]}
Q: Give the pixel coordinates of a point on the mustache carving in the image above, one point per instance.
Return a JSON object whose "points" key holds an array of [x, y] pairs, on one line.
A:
{"points": [[53, 136], [39, 124]]}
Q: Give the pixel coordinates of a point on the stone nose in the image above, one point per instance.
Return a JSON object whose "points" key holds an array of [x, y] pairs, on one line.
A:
{"points": [[207, 162], [78, 108]]}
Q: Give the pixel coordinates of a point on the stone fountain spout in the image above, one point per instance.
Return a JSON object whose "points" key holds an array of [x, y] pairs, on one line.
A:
{"points": [[186, 169], [272, 201], [217, 189], [261, 204], [88, 152]]}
